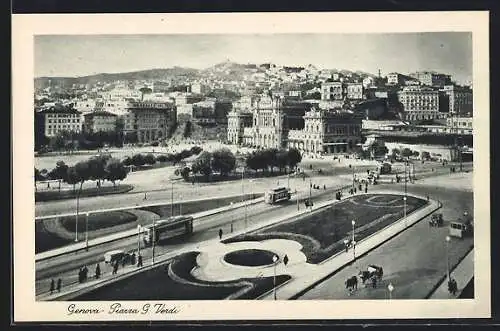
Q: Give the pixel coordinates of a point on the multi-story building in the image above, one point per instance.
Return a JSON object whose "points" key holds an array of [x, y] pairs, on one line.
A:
{"points": [[354, 91], [273, 118], [199, 88], [459, 125], [327, 132], [149, 120], [432, 78], [419, 103], [53, 120], [237, 121], [332, 91], [459, 98], [100, 121]]}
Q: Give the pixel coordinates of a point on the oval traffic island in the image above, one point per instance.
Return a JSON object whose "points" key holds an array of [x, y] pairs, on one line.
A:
{"points": [[250, 257]]}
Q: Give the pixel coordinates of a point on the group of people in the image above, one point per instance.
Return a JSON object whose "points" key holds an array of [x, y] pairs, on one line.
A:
{"points": [[53, 286]]}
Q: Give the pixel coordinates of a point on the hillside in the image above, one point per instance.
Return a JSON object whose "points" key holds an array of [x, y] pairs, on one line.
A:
{"points": [[158, 74]]}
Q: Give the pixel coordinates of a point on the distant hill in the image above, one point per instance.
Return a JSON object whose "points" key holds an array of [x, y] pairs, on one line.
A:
{"points": [[158, 74]]}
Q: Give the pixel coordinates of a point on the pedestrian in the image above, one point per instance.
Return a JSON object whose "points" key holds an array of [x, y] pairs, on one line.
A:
{"points": [[52, 286], [132, 259], [366, 189], [139, 261], [455, 287], [59, 283], [324, 187], [145, 196], [115, 267], [220, 234], [374, 282], [97, 271], [80, 275], [427, 196], [124, 262]]}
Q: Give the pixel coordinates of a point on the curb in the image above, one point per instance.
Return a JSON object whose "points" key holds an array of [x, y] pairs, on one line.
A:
{"points": [[322, 279], [127, 235], [443, 278]]}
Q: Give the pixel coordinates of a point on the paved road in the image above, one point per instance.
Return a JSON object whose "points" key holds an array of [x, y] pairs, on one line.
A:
{"points": [[413, 261], [206, 228]]}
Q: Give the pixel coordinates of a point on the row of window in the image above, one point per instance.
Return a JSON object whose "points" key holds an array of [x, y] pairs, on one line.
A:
{"points": [[64, 120], [62, 115], [55, 131]]}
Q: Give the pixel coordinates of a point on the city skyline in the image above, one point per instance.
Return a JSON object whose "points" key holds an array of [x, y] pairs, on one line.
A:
{"points": [[73, 56]]}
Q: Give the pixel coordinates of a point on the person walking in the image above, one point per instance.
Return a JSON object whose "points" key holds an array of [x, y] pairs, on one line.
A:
{"points": [[97, 271], [52, 286], [139, 261], [115, 267], [132, 259], [220, 234], [59, 284], [80, 275], [85, 273]]}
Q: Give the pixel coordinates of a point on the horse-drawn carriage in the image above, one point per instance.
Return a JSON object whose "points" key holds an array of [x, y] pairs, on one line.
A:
{"points": [[373, 273], [436, 220]]}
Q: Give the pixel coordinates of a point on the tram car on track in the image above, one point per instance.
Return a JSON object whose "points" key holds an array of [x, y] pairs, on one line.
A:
{"points": [[277, 195]]}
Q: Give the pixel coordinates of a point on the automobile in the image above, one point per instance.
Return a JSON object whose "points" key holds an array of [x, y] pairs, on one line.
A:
{"points": [[115, 256]]}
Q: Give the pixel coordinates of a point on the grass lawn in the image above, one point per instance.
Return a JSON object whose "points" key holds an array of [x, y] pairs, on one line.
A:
{"points": [[323, 232], [198, 206], [86, 192], [98, 221], [250, 257], [173, 281], [46, 240]]}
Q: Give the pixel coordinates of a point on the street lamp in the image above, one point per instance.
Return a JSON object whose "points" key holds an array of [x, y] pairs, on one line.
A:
{"points": [[180, 205], [448, 257], [172, 200], [404, 208], [275, 259], [87, 231], [139, 239], [153, 239], [390, 287], [353, 241]]}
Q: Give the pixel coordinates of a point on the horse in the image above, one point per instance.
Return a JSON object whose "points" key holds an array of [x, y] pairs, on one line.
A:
{"points": [[351, 283]]}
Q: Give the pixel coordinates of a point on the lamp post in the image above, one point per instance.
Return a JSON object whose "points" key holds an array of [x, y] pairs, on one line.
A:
{"points": [[353, 241], [405, 196], [139, 239], [153, 239], [180, 205], [76, 221], [87, 231], [390, 287], [275, 259], [172, 199], [448, 257]]}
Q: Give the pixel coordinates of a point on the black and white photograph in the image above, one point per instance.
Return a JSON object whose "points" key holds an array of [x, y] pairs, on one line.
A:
{"points": [[342, 171]]}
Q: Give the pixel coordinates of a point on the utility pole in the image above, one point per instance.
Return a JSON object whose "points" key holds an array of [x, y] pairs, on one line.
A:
{"points": [[87, 231], [172, 199], [153, 239]]}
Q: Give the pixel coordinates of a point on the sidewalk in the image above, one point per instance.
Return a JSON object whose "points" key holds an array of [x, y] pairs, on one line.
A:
{"points": [[75, 289], [305, 278], [132, 232], [462, 273]]}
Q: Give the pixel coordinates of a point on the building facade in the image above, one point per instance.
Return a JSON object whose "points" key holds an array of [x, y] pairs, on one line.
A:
{"points": [[332, 91], [100, 121], [56, 119], [419, 103], [150, 121], [459, 125], [327, 132], [237, 121], [354, 91], [460, 99], [432, 78]]}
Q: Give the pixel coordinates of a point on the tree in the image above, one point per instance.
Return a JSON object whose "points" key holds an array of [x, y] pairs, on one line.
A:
{"points": [[138, 160], [416, 153], [127, 161], [144, 90], [59, 172], [72, 177], [282, 159], [395, 153], [203, 164], [187, 129], [269, 156], [115, 170], [426, 155], [251, 161], [185, 173], [294, 157], [162, 158], [223, 160], [149, 159], [56, 143], [195, 150], [97, 166], [406, 152]]}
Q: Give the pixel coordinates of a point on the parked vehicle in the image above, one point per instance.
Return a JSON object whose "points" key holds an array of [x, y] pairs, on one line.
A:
{"points": [[115, 256]]}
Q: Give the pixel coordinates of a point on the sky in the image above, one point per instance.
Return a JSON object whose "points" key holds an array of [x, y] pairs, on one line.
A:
{"points": [[70, 55]]}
